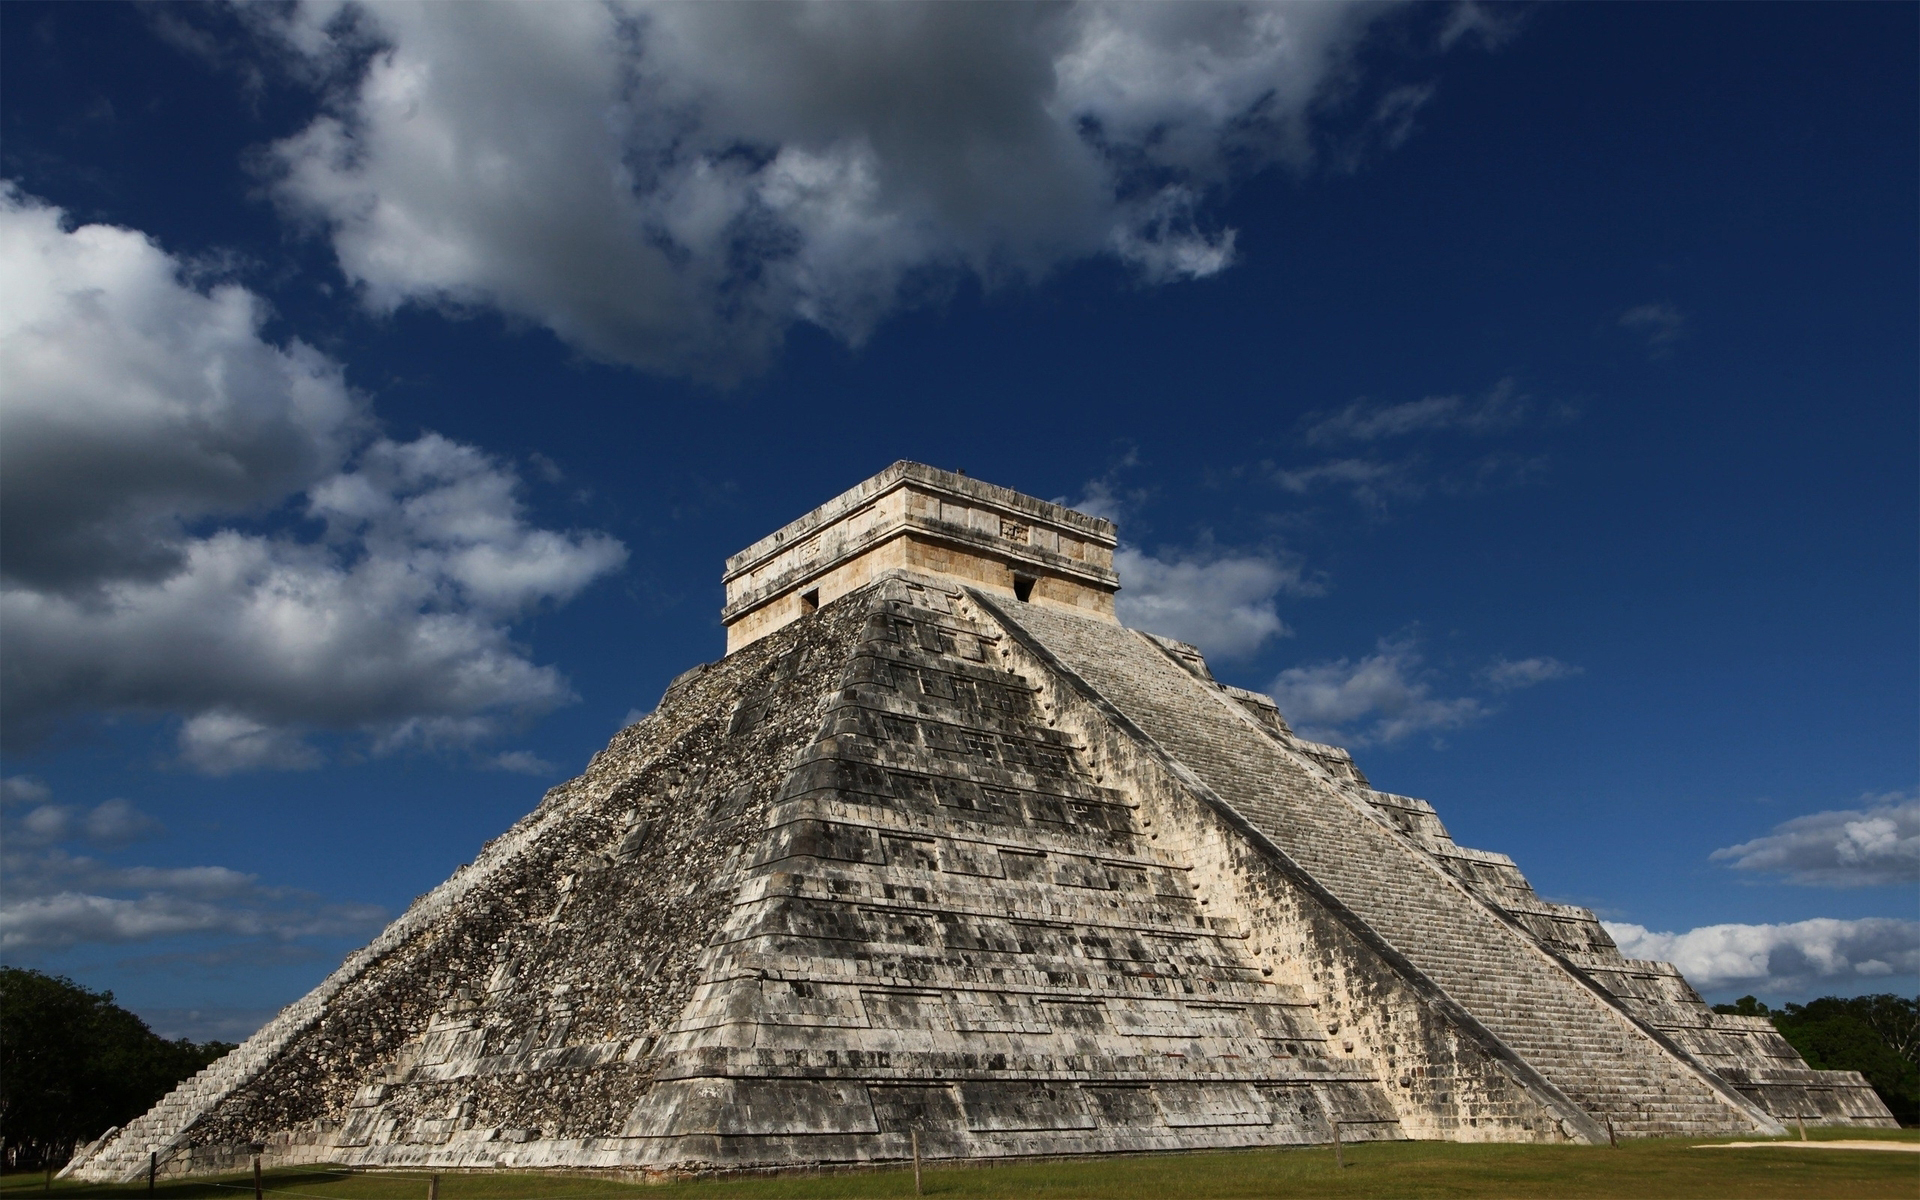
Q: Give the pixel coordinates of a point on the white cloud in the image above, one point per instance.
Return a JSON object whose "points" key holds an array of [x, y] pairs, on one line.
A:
{"points": [[1378, 699], [1107, 496], [1875, 846], [1501, 409], [1224, 603], [1786, 958], [1660, 323], [23, 789], [68, 918], [1471, 20], [50, 898], [1369, 481], [141, 413], [672, 185], [48, 823], [220, 743], [521, 762], [114, 822], [136, 403], [54, 899], [1357, 443], [1506, 675]]}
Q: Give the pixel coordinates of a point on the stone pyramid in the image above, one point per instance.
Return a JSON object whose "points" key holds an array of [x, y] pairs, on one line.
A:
{"points": [[940, 847]]}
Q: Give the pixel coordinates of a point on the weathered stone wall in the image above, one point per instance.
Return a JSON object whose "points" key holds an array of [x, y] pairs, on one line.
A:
{"points": [[1006, 875], [960, 930], [845, 884], [917, 518], [1442, 1077], [516, 1003], [1745, 1052], [1615, 1068]]}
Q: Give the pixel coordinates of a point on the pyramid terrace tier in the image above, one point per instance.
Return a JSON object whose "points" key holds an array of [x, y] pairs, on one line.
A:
{"points": [[1003, 873]]}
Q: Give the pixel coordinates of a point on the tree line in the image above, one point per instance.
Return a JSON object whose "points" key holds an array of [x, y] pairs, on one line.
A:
{"points": [[73, 1064], [1878, 1036]]}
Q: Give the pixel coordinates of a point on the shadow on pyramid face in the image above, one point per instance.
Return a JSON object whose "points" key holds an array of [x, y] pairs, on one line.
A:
{"points": [[934, 858]]}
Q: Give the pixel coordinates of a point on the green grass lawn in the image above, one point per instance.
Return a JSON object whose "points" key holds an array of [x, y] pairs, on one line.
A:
{"points": [[1642, 1170]]}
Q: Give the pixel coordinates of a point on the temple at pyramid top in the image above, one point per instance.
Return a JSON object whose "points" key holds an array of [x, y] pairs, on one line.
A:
{"points": [[930, 521]]}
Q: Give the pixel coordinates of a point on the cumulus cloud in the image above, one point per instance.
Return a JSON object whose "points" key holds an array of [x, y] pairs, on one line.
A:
{"points": [[196, 900], [211, 527], [1874, 846], [672, 185], [1506, 675], [51, 898], [221, 742], [28, 817], [1109, 495], [116, 822], [1787, 958], [23, 789], [1375, 700], [1224, 603], [136, 403]]}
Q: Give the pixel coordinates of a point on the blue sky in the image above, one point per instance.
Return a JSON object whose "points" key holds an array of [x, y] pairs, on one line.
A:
{"points": [[1525, 396]]}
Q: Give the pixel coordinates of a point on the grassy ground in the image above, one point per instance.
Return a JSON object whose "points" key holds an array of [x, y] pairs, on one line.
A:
{"points": [[1644, 1170]]}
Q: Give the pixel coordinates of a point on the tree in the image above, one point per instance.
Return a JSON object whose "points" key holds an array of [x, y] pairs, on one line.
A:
{"points": [[1745, 1006], [1897, 1020], [73, 1064]]}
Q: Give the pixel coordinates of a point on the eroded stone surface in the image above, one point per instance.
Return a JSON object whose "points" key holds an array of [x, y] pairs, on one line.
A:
{"points": [[1004, 873]]}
